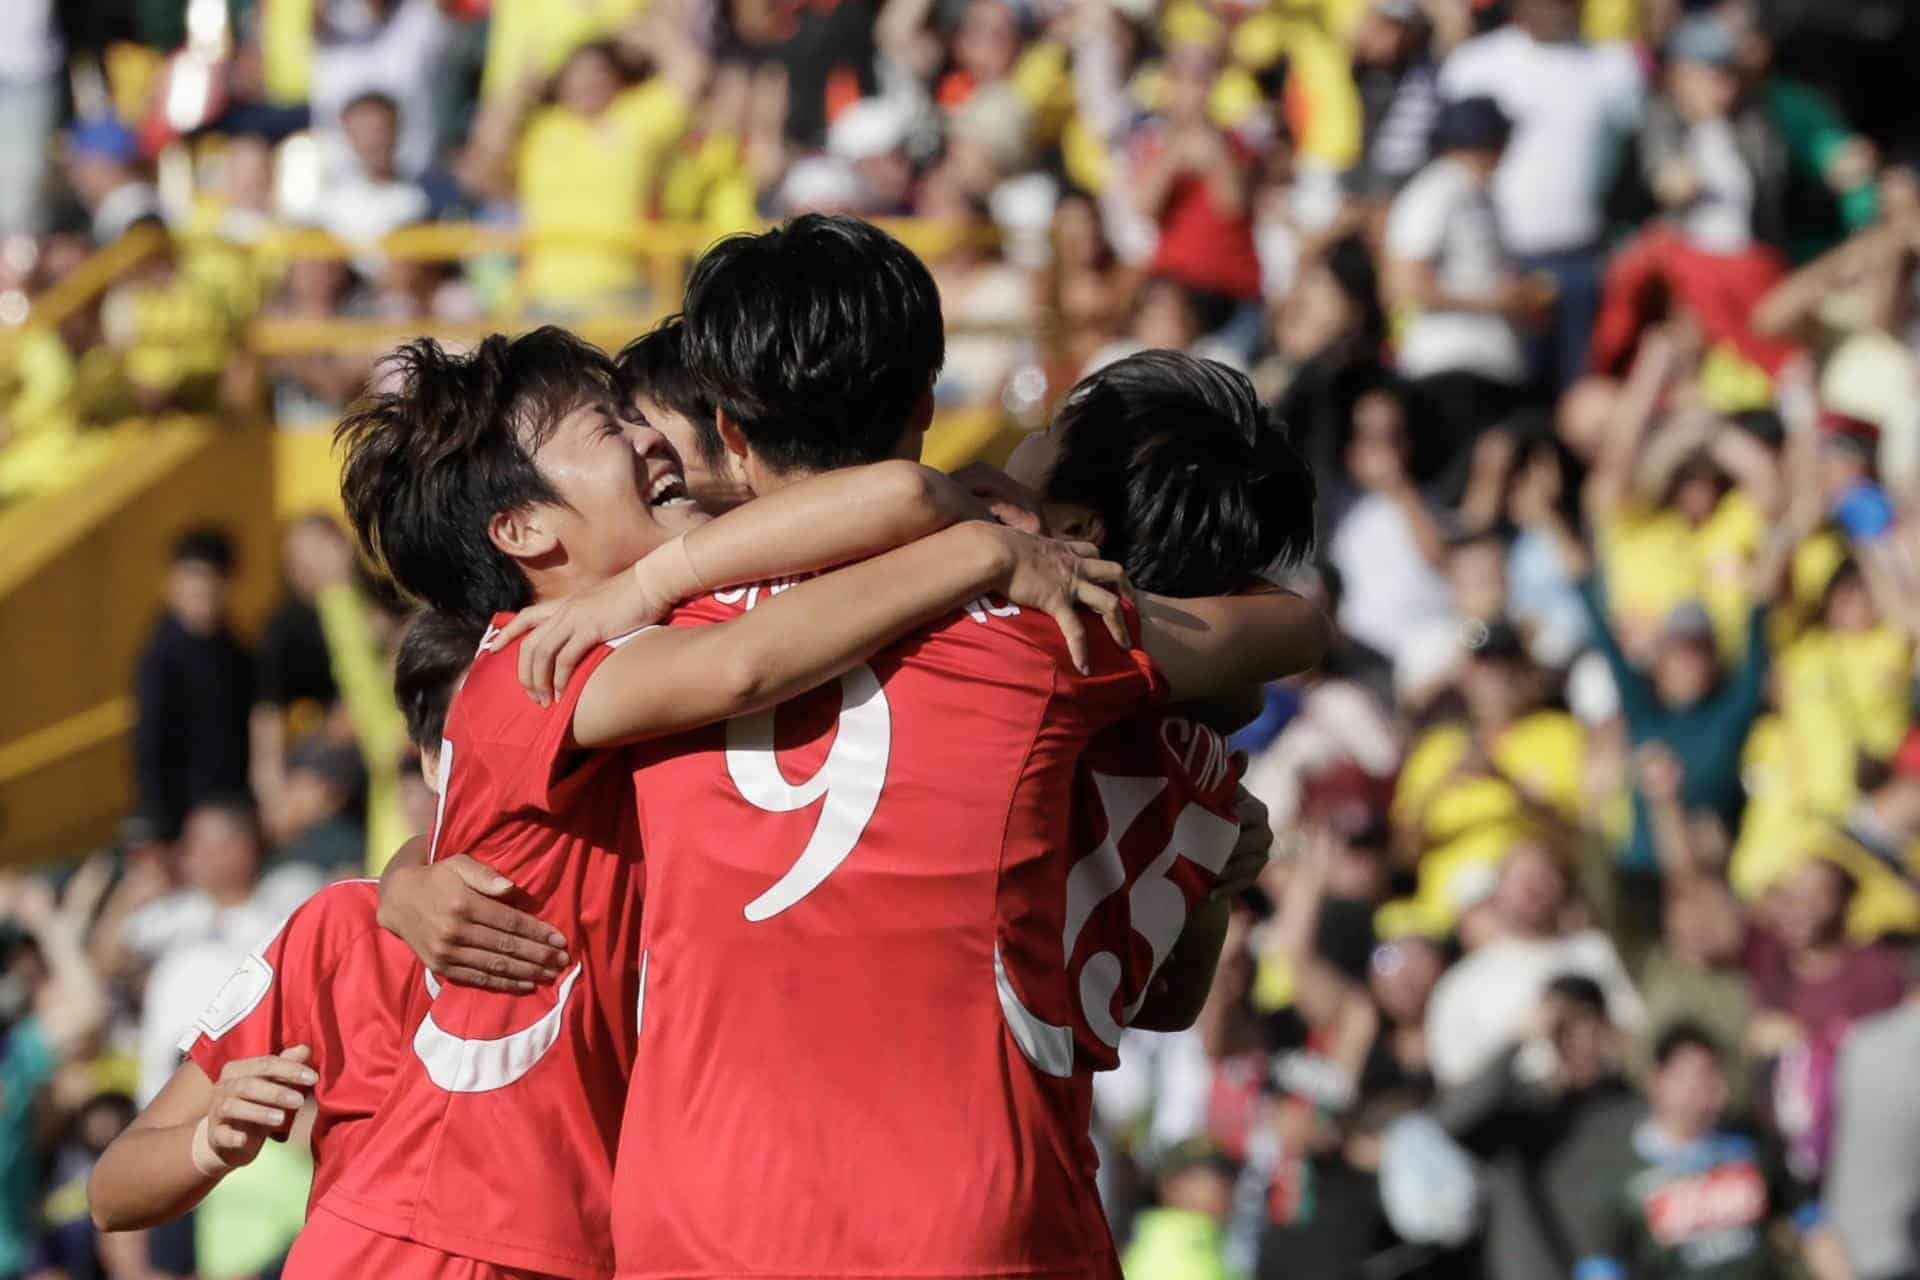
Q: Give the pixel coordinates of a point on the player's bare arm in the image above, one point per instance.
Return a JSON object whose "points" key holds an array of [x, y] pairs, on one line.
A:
{"points": [[1211, 648], [194, 1133], [449, 914], [670, 679], [826, 520]]}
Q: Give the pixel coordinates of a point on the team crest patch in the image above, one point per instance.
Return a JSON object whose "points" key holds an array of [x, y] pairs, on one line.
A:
{"points": [[238, 996]]}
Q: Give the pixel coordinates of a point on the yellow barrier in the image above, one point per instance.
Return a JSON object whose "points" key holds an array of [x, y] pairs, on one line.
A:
{"points": [[82, 582]]}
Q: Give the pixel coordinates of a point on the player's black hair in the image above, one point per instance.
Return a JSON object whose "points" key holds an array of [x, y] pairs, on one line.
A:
{"points": [[1199, 491], [819, 339], [654, 365], [1579, 989], [429, 464], [1682, 1035], [205, 545], [434, 653]]}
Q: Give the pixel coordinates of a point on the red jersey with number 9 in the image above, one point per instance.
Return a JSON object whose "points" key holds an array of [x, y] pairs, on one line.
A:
{"points": [[497, 1140], [837, 1067]]}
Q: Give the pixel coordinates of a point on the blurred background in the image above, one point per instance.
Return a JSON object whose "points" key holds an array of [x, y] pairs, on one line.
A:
{"points": [[1587, 949]]}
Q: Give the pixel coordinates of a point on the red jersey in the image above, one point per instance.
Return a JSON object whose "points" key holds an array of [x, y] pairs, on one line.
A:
{"points": [[329, 978], [836, 1074], [1154, 825], [498, 1140]]}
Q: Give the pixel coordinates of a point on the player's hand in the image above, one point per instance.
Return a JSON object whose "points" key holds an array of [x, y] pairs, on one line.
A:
{"points": [[448, 914], [254, 1099], [562, 632], [1012, 503], [1250, 853], [1057, 578]]}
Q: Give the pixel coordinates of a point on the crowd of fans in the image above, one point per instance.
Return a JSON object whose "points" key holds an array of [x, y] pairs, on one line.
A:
{"points": [[1587, 946]]}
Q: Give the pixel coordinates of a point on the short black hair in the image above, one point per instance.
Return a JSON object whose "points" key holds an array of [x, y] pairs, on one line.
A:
{"points": [[1579, 989], [434, 653], [654, 365], [430, 464], [1199, 490], [819, 339], [1682, 1035], [205, 545]]}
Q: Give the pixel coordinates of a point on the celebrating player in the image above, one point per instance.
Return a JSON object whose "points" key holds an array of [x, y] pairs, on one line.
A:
{"points": [[314, 1012], [846, 975], [490, 481]]}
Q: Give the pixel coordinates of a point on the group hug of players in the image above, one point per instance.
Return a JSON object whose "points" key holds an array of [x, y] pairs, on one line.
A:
{"points": [[851, 824]]}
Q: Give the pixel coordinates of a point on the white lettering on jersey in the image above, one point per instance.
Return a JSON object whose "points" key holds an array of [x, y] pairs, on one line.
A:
{"points": [[851, 779], [1156, 910], [980, 608], [1203, 754], [748, 596], [1098, 875], [459, 1065]]}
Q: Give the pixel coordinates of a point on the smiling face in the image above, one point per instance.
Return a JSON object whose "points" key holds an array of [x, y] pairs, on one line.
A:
{"points": [[621, 487]]}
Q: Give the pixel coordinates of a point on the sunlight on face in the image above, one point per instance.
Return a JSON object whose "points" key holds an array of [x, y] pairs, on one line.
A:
{"points": [[621, 486]]}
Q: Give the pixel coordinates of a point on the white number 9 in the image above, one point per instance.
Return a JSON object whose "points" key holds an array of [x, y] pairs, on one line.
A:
{"points": [[851, 779]]}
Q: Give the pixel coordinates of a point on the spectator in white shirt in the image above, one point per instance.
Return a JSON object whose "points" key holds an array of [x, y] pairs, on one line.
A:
{"points": [[1481, 1005], [1389, 546], [30, 67], [1448, 261], [1573, 106], [392, 47], [370, 199], [194, 938]]}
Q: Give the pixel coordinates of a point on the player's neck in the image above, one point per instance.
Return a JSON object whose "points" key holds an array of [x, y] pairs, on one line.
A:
{"points": [[557, 582], [766, 480]]}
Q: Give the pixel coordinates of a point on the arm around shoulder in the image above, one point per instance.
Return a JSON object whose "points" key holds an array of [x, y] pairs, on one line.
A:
{"points": [[1208, 648]]}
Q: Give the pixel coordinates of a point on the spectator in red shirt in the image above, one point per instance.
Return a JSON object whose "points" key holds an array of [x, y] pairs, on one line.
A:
{"points": [[1193, 179], [1812, 984]]}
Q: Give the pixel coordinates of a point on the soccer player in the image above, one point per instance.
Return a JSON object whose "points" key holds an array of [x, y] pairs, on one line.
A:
{"points": [[856, 1044], [312, 1014], [488, 482], [1171, 465]]}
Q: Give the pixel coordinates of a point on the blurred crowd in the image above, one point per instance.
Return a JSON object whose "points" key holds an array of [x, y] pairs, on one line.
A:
{"points": [[1587, 948]]}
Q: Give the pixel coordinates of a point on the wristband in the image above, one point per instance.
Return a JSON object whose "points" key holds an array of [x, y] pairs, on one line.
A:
{"points": [[686, 556], [205, 1159]]}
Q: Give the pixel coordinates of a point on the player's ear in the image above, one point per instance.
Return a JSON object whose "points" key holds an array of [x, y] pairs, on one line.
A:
{"points": [[1075, 523], [731, 436], [523, 534]]}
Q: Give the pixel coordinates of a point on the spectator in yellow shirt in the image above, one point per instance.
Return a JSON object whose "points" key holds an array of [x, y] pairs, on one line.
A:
{"points": [[585, 167], [528, 40], [1471, 788]]}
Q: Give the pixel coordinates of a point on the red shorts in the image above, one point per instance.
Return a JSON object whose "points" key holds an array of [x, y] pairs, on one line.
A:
{"points": [[331, 1248]]}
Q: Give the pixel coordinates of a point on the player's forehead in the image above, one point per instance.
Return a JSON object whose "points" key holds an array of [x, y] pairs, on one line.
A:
{"points": [[574, 423]]}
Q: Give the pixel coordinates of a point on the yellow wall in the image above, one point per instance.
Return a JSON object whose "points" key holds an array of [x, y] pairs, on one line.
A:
{"points": [[81, 587]]}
